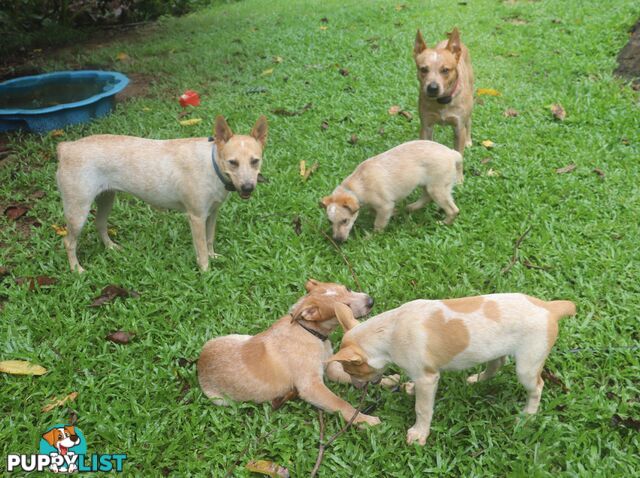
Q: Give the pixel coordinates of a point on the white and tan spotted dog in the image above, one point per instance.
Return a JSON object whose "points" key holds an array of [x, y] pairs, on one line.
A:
{"points": [[424, 337]]}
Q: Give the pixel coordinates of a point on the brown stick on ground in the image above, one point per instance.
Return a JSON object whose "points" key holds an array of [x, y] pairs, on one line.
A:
{"points": [[516, 247], [344, 258], [323, 446]]}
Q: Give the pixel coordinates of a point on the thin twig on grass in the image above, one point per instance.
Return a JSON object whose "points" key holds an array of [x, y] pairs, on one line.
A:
{"points": [[344, 258], [516, 247], [323, 446]]}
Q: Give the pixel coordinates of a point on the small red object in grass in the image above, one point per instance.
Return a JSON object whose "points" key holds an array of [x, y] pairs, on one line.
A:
{"points": [[189, 97]]}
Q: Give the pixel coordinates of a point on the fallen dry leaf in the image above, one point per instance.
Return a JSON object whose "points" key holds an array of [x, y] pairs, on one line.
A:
{"points": [[407, 115], [487, 143], [492, 173], [39, 194], [266, 72], [285, 112], [550, 377], [343, 71], [110, 292], [400, 6], [485, 160], [60, 230], [21, 367], [394, 110], [120, 337], [297, 225], [567, 169], [268, 468], [510, 113], [488, 92], [617, 420], [15, 211], [558, 111], [599, 172], [324, 20], [303, 167], [353, 139], [310, 171], [33, 281], [122, 56], [324, 125], [58, 402], [190, 122], [277, 59], [323, 27], [56, 133]]}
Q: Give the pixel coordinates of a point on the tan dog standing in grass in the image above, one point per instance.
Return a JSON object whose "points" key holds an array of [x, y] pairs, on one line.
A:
{"points": [[287, 359], [383, 180], [192, 175], [446, 88], [424, 337]]}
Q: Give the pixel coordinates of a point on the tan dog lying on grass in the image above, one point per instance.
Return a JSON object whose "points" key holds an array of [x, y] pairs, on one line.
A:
{"points": [[288, 358], [424, 337], [446, 88], [192, 175], [383, 180]]}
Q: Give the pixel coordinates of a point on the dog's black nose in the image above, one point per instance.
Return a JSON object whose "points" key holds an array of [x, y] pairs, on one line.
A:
{"points": [[370, 302], [246, 188], [432, 88]]}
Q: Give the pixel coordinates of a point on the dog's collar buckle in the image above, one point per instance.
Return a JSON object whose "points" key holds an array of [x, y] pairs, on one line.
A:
{"points": [[315, 333], [228, 185]]}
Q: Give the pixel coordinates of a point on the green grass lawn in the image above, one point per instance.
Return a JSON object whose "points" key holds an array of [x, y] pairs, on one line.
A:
{"points": [[582, 245]]}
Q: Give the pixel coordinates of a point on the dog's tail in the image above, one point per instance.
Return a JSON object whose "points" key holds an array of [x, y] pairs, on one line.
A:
{"points": [[562, 308]]}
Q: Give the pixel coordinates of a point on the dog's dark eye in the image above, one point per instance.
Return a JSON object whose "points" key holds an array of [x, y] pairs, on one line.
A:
{"points": [[344, 222], [233, 163], [255, 162], [424, 69], [445, 71]]}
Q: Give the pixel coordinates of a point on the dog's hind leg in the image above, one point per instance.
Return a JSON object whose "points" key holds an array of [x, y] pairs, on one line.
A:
{"points": [[76, 216], [491, 370], [442, 197], [104, 201], [468, 128], [423, 201]]}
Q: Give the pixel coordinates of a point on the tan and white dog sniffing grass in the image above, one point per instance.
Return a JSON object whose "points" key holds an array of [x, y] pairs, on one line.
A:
{"points": [[193, 175], [287, 359], [445, 75], [424, 337], [381, 181]]}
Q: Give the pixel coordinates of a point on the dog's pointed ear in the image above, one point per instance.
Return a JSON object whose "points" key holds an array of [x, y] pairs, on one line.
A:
{"points": [[347, 355], [260, 130], [311, 284], [50, 437], [454, 44], [223, 132], [419, 46], [325, 201], [345, 316], [310, 313]]}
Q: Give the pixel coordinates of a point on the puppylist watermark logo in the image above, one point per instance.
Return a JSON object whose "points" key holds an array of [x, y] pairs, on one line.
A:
{"points": [[63, 449]]}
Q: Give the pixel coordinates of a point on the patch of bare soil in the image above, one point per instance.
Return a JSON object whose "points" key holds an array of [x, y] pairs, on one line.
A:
{"points": [[629, 58]]}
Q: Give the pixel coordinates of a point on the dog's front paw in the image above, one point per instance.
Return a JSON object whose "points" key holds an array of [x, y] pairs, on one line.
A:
{"points": [[390, 381], [409, 388], [415, 435], [475, 378], [367, 419], [214, 255]]}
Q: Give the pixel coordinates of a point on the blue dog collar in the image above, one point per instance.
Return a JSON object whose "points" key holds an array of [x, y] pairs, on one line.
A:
{"points": [[228, 185]]}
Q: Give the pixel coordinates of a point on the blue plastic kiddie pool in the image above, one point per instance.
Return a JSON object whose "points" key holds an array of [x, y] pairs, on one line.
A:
{"points": [[41, 103]]}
